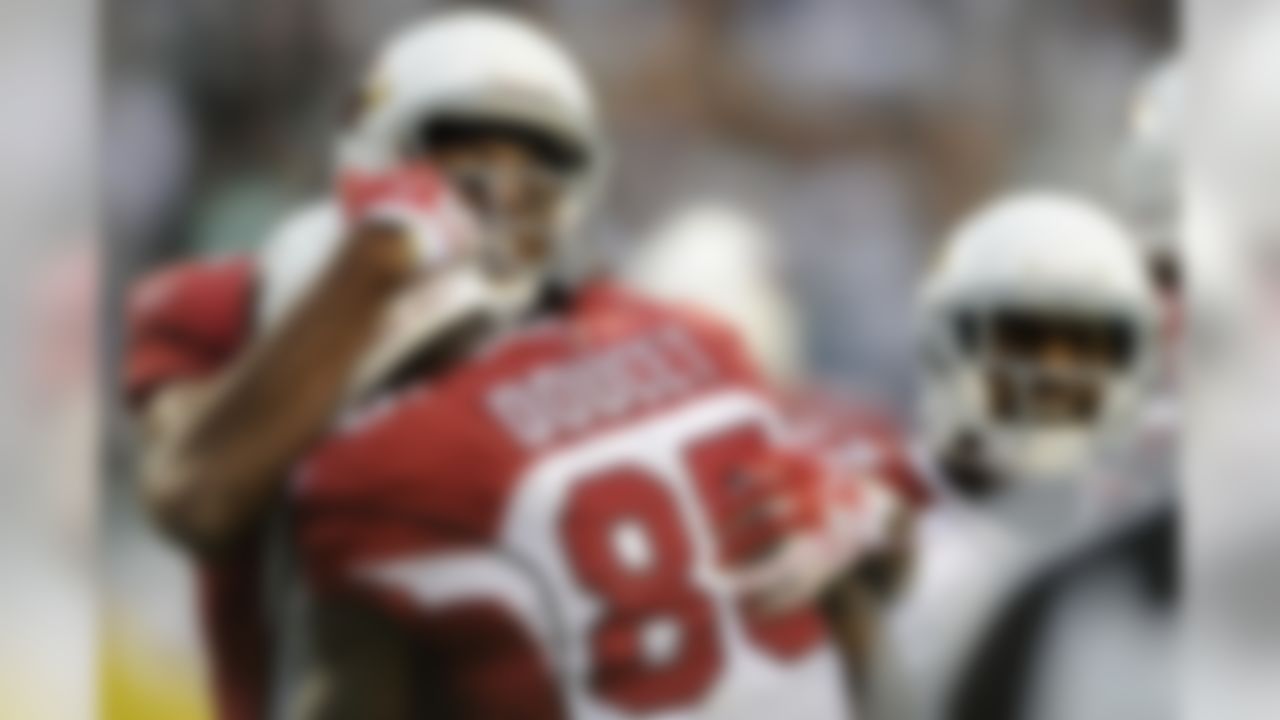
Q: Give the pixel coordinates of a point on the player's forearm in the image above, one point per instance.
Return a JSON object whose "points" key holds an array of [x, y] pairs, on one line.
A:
{"points": [[854, 605], [853, 615], [210, 474]]}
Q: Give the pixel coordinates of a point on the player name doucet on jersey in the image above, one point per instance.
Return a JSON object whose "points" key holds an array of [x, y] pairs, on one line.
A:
{"points": [[558, 400]]}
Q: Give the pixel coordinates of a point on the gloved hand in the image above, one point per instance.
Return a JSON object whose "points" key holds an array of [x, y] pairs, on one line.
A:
{"points": [[794, 524], [415, 199]]}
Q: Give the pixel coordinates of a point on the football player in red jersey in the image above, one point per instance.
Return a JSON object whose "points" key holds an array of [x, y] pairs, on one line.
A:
{"points": [[237, 366], [547, 530], [556, 523]]}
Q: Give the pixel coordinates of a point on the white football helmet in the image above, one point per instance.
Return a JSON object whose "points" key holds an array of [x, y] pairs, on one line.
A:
{"points": [[720, 260], [1039, 255], [476, 65], [471, 65]]}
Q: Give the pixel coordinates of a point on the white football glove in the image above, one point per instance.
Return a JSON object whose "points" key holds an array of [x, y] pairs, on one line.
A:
{"points": [[798, 526], [415, 199]]}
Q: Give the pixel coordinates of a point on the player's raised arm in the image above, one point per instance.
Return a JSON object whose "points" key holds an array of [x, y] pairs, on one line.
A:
{"points": [[523, 164], [217, 443]]}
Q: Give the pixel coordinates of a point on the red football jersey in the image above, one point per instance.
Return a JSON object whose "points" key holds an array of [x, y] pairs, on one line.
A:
{"points": [[187, 322], [542, 517]]}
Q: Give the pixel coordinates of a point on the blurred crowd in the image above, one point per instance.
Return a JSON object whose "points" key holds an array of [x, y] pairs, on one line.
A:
{"points": [[854, 131]]}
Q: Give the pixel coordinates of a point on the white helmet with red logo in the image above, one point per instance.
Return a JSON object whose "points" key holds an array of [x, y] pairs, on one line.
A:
{"points": [[483, 66], [465, 66]]}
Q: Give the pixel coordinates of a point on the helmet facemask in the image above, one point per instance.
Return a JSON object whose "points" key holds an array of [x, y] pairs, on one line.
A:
{"points": [[1031, 394]]}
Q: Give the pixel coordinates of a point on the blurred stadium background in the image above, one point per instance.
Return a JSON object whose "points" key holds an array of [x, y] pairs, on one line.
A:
{"points": [[855, 130]]}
